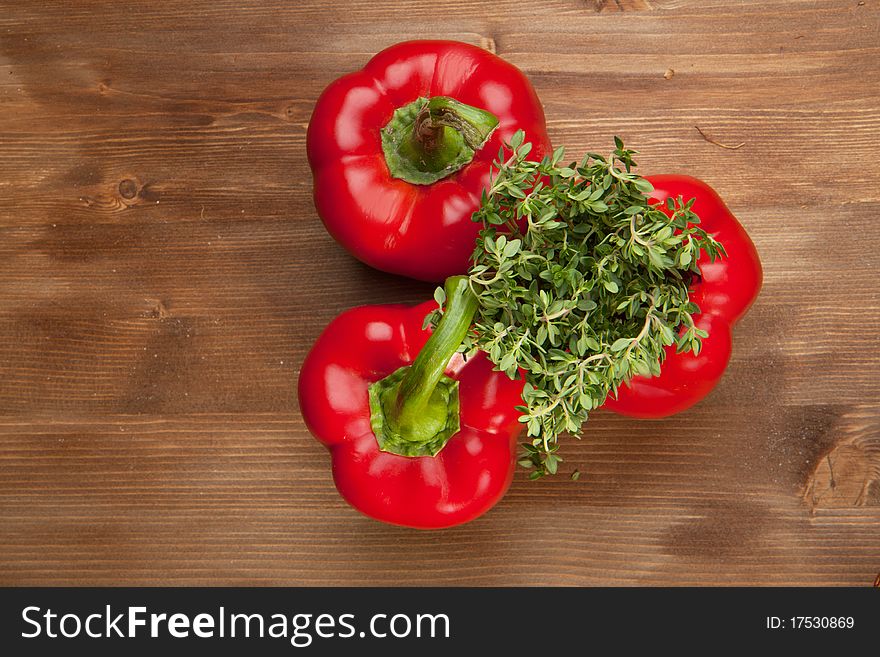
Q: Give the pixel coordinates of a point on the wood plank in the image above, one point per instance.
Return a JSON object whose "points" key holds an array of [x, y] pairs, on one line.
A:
{"points": [[163, 273]]}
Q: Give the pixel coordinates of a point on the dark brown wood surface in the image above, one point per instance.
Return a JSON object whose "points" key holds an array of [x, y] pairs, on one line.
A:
{"points": [[163, 272]]}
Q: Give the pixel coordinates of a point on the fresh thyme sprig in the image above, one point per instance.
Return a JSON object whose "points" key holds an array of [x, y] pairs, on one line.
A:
{"points": [[589, 294]]}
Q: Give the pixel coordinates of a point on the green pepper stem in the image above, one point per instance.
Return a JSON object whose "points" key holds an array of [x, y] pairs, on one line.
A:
{"points": [[430, 139], [414, 411], [421, 378], [472, 123]]}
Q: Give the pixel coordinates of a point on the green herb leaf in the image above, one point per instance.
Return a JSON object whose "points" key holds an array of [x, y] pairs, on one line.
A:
{"points": [[589, 295]]}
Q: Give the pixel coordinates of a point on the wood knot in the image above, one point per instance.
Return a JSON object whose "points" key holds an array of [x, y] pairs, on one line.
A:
{"points": [[158, 309], [600, 6], [294, 112], [128, 189], [488, 43], [847, 476]]}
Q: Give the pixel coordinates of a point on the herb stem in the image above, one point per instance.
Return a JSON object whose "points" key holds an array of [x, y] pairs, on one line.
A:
{"points": [[649, 317], [635, 233], [556, 315]]}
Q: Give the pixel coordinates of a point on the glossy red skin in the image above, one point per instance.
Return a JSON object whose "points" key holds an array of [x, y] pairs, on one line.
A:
{"points": [[421, 231], [464, 480], [727, 289]]}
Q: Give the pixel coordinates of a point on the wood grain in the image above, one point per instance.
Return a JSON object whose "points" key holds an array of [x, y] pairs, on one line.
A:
{"points": [[163, 272]]}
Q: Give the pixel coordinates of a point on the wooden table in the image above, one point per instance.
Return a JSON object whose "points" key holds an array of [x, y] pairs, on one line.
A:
{"points": [[163, 272]]}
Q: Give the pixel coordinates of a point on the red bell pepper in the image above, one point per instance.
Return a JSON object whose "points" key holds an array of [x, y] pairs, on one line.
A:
{"points": [[401, 152], [406, 448], [724, 292]]}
